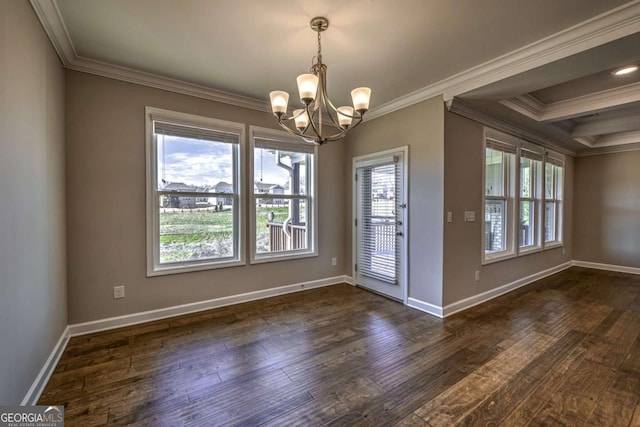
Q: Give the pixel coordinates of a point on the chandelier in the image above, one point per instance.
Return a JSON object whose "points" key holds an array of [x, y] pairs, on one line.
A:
{"points": [[307, 122]]}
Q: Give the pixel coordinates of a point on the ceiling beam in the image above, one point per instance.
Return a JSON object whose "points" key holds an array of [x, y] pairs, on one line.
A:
{"points": [[607, 126], [618, 139], [592, 103], [584, 105]]}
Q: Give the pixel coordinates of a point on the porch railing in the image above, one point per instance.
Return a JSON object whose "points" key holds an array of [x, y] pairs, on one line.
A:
{"points": [[279, 241]]}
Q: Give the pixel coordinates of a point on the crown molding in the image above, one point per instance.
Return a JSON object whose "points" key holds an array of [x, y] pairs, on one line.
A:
{"points": [[587, 142], [456, 105], [625, 127], [596, 151], [606, 27], [165, 83], [526, 105], [49, 15]]}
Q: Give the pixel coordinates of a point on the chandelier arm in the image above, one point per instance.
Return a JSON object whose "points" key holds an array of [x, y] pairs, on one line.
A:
{"points": [[341, 134], [312, 123], [296, 132], [321, 70]]}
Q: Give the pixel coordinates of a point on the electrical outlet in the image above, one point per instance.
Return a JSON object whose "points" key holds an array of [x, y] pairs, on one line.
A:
{"points": [[477, 277], [470, 216], [564, 252], [118, 292], [334, 261]]}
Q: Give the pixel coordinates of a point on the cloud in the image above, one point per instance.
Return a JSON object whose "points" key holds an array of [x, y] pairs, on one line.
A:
{"points": [[195, 162]]}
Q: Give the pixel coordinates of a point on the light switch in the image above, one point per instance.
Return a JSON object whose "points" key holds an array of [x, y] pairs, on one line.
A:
{"points": [[449, 216]]}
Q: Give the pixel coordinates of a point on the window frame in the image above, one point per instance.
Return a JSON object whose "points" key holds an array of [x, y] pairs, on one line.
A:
{"points": [[536, 197], [557, 160], [154, 266], [291, 142], [513, 199], [511, 181]]}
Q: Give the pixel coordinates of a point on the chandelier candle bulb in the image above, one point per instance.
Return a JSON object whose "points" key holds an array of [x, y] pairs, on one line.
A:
{"points": [[345, 115], [279, 101], [301, 119], [308, 87], [360, 97]]}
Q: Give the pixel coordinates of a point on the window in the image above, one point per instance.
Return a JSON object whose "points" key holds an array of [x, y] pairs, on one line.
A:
{"points": [[283, 182], [530, 197], [553, 194], [525, 216], [499, 179], [193, 193]]}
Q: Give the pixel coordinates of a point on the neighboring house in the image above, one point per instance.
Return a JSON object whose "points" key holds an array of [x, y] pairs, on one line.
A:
{"points": [[276, 189], [262, 187], [222, 187], [179, 202]]}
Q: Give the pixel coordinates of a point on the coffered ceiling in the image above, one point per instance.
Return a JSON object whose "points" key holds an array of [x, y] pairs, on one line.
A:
{"points": [[543, 64]]}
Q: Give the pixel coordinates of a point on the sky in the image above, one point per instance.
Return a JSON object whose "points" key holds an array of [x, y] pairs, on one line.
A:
{"points": [[200, 162]]}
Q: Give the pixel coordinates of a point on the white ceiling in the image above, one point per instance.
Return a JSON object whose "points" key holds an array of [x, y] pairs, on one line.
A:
{"points": [[250, 47]]}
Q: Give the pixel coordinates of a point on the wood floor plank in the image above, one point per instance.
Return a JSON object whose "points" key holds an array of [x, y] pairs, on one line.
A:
{"points": [[451, 406], [540, 394], [562, 351], [617, 405], [497, 406]]}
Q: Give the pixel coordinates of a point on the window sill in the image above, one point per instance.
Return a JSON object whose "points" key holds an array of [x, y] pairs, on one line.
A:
{"points": [[553, 245], [264, 258], [529, 251], [189, 268], [488, 259]]}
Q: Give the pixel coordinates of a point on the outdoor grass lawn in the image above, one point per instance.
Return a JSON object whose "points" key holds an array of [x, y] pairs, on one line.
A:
{"points": [[206, 225], [204, 233]]}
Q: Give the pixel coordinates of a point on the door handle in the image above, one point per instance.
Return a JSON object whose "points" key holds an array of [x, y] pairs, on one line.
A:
{"points": [[399, 233]]}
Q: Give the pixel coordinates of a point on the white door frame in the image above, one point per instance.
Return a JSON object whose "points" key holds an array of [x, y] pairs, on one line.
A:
{"points": [[404, 283]]}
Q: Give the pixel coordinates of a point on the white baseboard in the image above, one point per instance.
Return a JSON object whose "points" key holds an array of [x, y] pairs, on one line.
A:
{"points": [[432, 309], [34, 392], [163, 313], [466, 303], [501, 290], [349, 280], [608, 267]]}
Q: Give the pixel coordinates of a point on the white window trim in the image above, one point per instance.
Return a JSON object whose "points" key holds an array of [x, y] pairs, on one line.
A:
{"points": [[312, 251], [559, 214], [511, 179], [513, 202], [154, 268], [538, 200]]}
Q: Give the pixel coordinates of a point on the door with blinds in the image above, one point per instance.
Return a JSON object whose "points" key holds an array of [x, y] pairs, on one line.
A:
{"points": [[380, 223]]}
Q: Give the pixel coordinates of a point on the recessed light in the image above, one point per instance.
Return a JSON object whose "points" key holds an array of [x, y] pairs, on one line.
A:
{"points": [[625, 70]]}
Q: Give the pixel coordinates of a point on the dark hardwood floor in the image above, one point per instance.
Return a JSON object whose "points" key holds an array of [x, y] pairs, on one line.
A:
{"points": [[562, 351]]}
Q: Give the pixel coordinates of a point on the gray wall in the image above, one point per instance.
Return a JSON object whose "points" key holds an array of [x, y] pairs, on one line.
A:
{"points": [[106, 205], [607, 221], [33, 309], [462, 240], [421, 127]]}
